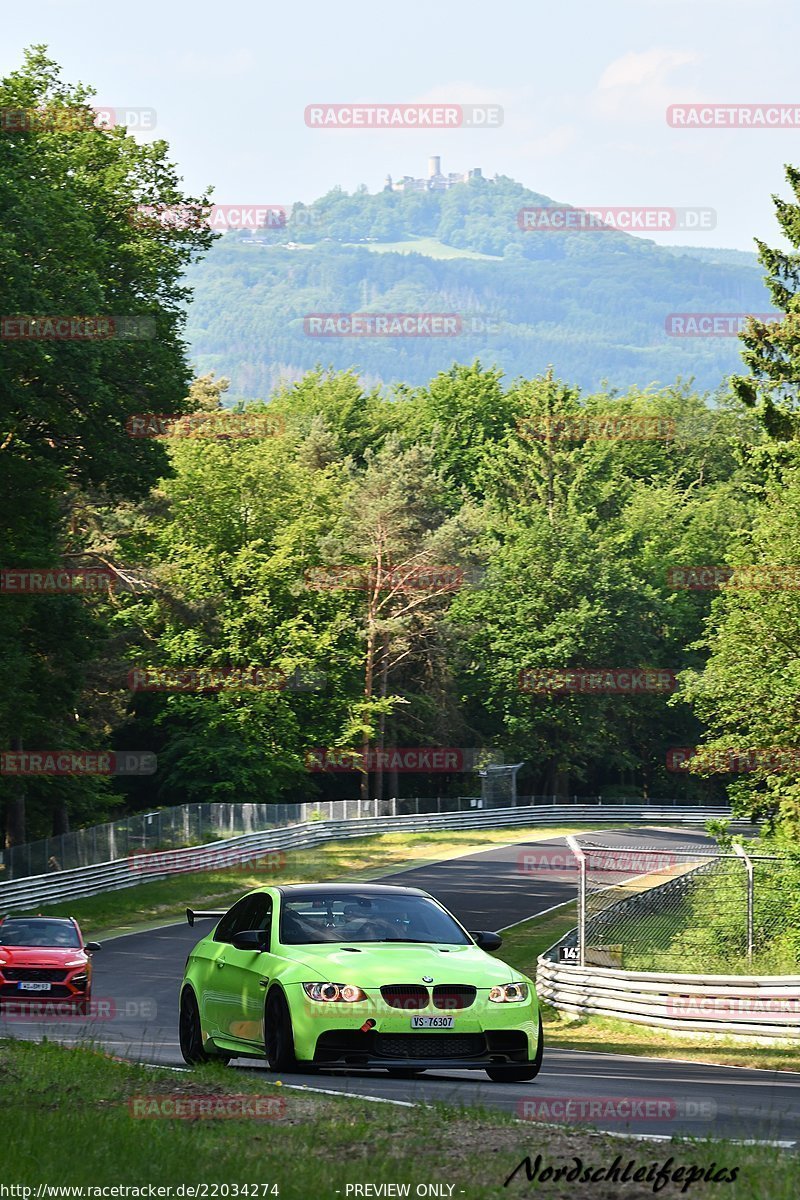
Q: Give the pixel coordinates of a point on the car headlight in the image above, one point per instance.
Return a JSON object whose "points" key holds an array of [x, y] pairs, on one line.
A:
{"points": [[332, 993], [509, 993]]}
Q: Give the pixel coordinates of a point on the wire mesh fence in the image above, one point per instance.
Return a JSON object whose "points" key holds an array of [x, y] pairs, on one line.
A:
{"points": [[688, 909], [196, 825]]}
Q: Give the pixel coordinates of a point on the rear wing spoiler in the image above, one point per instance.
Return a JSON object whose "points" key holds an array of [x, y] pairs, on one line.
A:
{"points": [[193, 915]]}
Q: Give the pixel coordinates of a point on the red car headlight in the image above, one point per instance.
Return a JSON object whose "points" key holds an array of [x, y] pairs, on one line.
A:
{"points": [[333, 993]]}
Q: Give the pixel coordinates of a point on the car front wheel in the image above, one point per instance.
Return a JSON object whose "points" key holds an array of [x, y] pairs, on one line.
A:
{"points": [[519, 1072], [190, 1034], [279, 1035]]}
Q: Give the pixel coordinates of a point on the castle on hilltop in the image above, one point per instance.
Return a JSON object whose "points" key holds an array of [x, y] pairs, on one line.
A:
{"points": [[435, 182]]}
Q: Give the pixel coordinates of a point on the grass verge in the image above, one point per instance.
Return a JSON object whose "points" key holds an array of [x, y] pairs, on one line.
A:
{"points": [[74, 1125], [523, 943], [148, 904]]}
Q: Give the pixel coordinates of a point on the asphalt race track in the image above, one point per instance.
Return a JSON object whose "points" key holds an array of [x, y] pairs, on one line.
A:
{"points": [[136, 990]]}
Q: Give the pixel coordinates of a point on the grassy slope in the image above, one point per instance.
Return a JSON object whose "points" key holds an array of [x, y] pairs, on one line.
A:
{"points": [[72, 1124], [429, 246]]}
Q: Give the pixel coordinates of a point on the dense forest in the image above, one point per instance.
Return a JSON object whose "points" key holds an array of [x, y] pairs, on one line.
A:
{"points": [[595, 303], [353, 567]]}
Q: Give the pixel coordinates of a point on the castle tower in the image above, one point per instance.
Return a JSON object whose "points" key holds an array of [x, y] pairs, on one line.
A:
{"points": [[434, 166]]}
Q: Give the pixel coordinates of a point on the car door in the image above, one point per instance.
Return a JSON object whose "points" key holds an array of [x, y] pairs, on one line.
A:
{"points": [[245, 975], [215, 1000]]}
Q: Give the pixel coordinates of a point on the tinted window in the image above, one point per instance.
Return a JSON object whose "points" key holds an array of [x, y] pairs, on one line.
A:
{"points": [[251, 912], [38, 932], [358, 917]]}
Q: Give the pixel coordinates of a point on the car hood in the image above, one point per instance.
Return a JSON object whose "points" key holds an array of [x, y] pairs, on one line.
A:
{"points": [[40, 956], [378, 963]]}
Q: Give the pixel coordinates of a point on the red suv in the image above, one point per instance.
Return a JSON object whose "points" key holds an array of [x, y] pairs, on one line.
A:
{"points": [[45, 958]]}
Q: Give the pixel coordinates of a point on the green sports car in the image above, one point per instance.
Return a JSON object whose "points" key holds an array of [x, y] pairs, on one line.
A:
{"points": [[355, 975]]}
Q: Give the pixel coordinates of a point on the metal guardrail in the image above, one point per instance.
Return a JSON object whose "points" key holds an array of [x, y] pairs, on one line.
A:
{"points": [[740, 1005], [197, 824], [57, 887]]}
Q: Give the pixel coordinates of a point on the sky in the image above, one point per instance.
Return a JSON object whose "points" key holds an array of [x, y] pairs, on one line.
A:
{"points": [[584, 89]]}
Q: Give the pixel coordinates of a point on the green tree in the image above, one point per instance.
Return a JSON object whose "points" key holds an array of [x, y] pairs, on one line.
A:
{"points": [[770, 349], [72, 245]]}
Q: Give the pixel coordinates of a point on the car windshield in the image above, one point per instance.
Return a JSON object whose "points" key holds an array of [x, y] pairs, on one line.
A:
{"points": [[39, 933], [309, 918]]}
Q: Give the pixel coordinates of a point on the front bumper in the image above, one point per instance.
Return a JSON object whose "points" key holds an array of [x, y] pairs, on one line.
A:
{"points": [[65, 985], [485, 1034], [445, 1049]]}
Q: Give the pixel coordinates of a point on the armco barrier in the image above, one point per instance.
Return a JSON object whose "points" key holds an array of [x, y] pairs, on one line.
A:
{"points": [[747, 1006], [59, 886]]}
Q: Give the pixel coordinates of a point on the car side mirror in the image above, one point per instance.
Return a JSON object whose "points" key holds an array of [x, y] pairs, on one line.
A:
{"points": [[250, 939], [487, 941], [90, 947]]}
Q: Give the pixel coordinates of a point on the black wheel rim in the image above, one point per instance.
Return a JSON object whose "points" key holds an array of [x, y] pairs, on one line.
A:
{"points": [[190, 1028]]}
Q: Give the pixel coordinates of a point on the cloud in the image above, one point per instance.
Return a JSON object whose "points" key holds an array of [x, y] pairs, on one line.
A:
{"points": [[637, 86]]}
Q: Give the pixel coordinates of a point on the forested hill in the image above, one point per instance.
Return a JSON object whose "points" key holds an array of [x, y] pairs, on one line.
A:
{"points": [[594, 303]]}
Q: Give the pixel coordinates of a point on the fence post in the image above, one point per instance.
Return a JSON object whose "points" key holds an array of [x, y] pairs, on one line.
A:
{"points": [[574, 846], [748, 862]]}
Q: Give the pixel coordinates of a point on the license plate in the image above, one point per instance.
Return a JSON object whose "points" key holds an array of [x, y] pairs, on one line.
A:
{"points": [[34, 987], [432, 1022]]}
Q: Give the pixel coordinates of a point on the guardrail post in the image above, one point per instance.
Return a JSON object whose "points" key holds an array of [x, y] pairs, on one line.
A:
{"points": [[748, 862], [574, 846]]}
